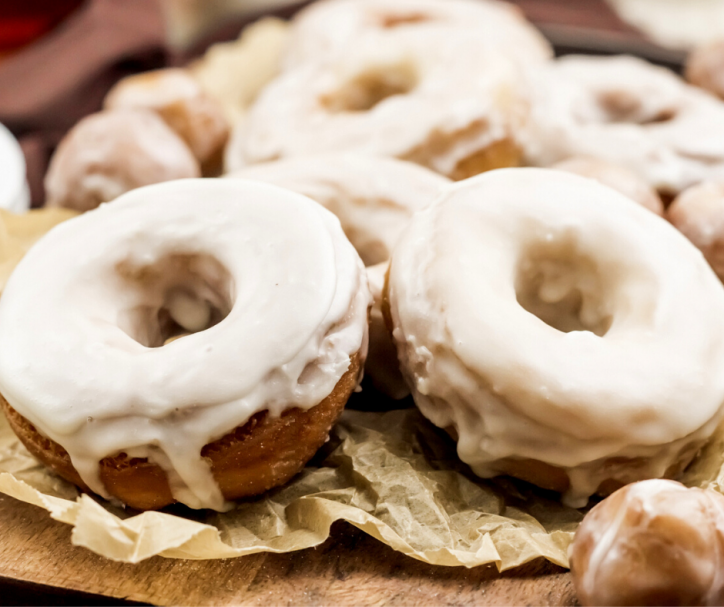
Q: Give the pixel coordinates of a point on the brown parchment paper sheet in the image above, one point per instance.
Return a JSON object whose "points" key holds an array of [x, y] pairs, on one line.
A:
{"points": [[20, 232], [392, 474]]}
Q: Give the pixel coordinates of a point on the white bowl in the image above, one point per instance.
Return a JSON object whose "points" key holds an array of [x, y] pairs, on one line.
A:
{"points": [[14, 190]]}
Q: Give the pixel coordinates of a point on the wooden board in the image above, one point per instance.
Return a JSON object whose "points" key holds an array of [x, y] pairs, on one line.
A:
{"points": [[350, 568]]}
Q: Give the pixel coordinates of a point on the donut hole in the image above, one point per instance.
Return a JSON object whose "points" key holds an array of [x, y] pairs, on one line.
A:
{"points": [[564, 287], [368, 89], [618, 106], [174, 297], [400, 19]]}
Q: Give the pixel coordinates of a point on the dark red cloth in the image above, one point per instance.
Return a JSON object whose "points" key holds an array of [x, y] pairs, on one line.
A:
{"points": [[22, 21]]}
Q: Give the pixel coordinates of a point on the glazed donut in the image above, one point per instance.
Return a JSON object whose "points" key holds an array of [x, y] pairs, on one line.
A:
{"points": [[705, 68], [699, 214], [275, 299], [628, 112], [447, 103], [176, 96], [14, 190], [330, 26], [374, 199], [651, 543], [617, 177], [110, 153], [565, 335]]}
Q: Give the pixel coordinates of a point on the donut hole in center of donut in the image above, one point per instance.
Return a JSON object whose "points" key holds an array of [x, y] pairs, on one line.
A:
{"points": [[371, 87], [392, 21], [624, 107], [562, 286], [176, 296]]}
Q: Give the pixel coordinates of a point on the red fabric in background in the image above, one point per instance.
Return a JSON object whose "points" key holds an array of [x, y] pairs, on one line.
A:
{"points": [[22, 21]]}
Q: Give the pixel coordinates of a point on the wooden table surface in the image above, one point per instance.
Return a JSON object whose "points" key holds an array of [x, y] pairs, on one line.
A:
{"points": [[38, 565]]}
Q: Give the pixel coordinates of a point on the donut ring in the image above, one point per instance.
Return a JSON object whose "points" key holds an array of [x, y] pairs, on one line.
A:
{"points": [[328, 27], [698, 213], [617, 177], [191, 256], [540, 317], [628, 112], [374, 199], [449, 104], [176, 96], [651, 543], [110, 153]]}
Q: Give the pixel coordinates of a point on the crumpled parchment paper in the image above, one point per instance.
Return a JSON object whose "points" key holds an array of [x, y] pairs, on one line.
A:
{"points": [[391, 474], [20, 232]]}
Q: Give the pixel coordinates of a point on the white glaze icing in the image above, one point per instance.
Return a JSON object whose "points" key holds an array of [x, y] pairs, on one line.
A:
{"points": [[435, 99], [14, 191], [329, 26], [591, 262], [178, 98], [373, 197], [626, 546], [626, 111], [78, 306]]}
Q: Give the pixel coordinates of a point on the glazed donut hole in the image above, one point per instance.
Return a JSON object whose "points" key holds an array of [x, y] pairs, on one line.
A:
{"points": [[698, 213], [369, 88], [653, 542], [176, 296], [564, 287], [176, 96], [112, 152]]}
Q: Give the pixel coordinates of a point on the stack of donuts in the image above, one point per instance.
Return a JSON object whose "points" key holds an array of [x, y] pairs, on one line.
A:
{"points": [[413, 188]]}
